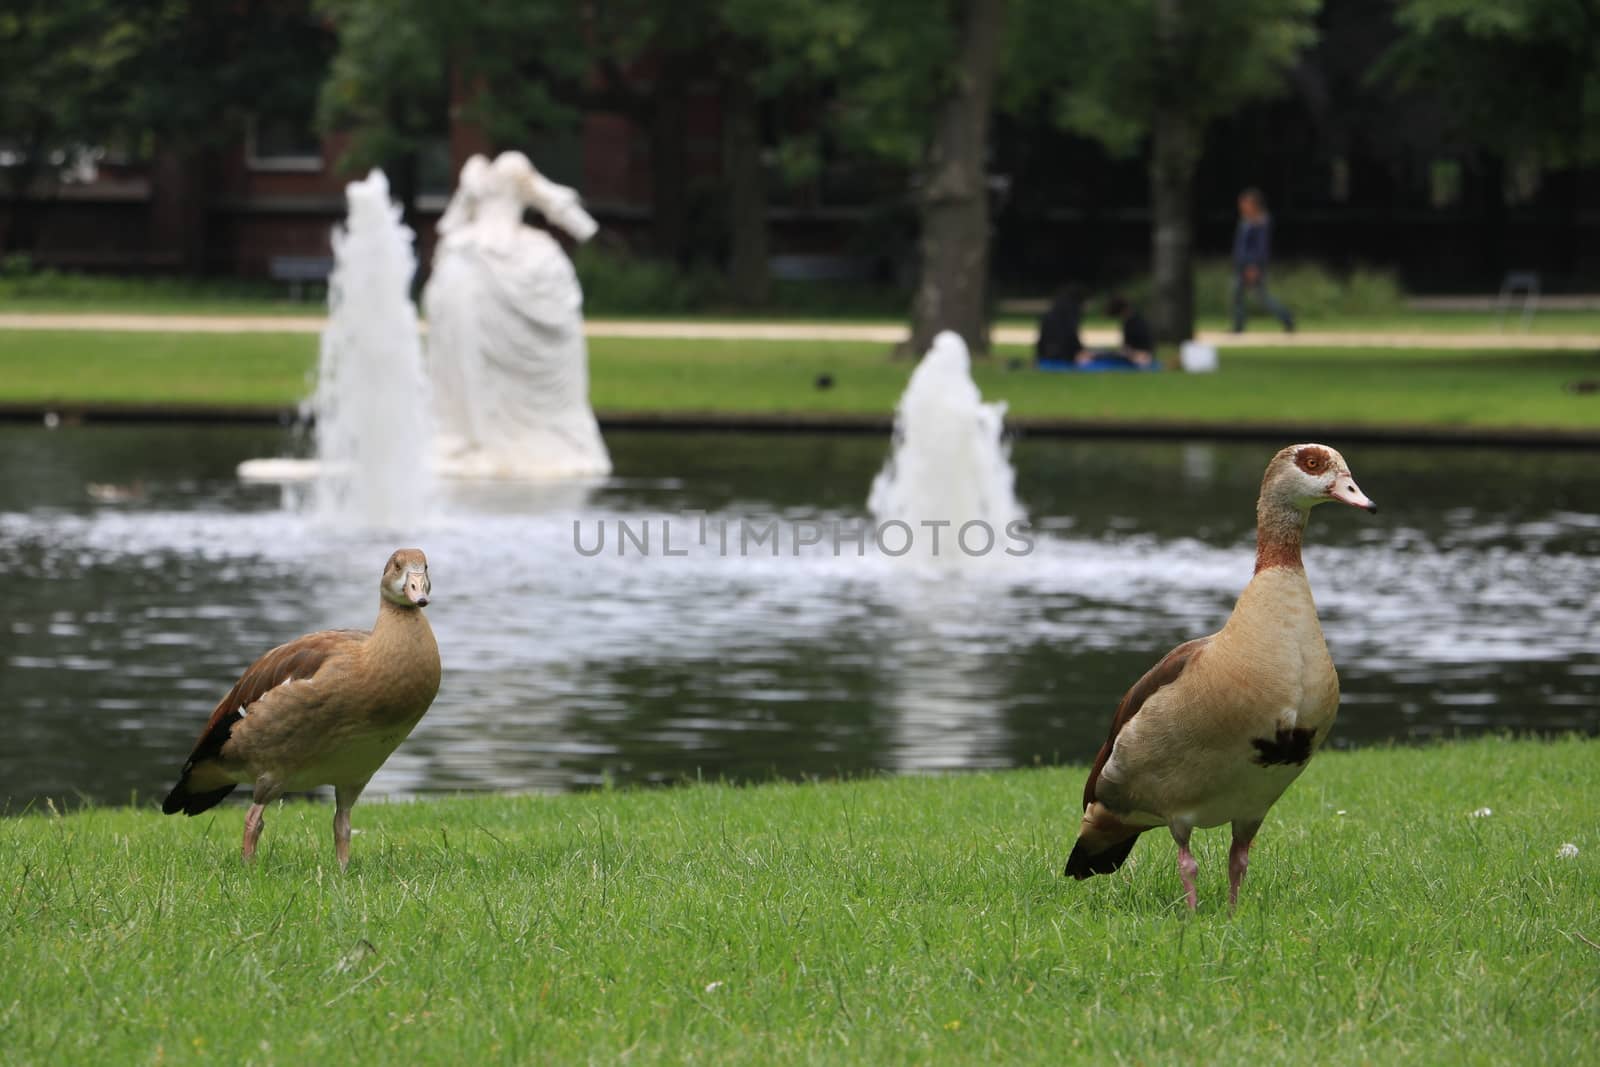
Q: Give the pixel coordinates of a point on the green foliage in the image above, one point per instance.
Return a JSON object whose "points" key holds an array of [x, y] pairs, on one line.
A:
{"points": [[63, 67], [884, 921], [619, 283], [526, 62], [96, 73], [389, 83], [1315, 294], [895, 77], [21, 283], [1101, 67], [616, 283], [1521, 78], [202, 68]]}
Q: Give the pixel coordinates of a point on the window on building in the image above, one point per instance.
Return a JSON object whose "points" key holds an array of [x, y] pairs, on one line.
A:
{"points": [[1444, 183], [273, 143], [434, 177], [1339, 180], [1523, 178]]}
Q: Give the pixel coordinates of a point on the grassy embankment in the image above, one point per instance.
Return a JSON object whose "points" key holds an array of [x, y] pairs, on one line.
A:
{"points": [[621, 286], [879, 921], [1396, 386]]}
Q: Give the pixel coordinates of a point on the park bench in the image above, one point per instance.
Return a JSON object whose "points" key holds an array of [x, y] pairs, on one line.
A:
{"points": [[298, 270], [1525, 282]]}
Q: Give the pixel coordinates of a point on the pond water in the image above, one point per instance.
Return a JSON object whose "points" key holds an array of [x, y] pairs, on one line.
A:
{"points": [[1467, 604]]}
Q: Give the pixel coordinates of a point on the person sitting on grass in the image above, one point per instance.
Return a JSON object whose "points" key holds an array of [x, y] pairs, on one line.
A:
{"points": [[1138, 343], [1058, 330]]}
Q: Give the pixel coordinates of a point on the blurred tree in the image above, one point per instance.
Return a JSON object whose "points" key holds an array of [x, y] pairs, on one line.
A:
{"points": [[1160, 70], [202, 73], [649, 57], [518, 67], [913, 86], [764, 50], [171, 76], [202, 70], [62, 65], [388, 86], [1519, 76], [1519, 81]]}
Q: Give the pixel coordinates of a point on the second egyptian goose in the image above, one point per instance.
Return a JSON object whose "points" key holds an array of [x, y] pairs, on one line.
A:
{"points": [[1215, 732], [326, 709]]}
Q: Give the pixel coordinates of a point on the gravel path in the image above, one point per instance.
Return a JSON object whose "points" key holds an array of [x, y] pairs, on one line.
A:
{"points": [[815, 331]]}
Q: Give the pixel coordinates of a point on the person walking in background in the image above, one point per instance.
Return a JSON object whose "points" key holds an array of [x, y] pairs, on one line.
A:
{"points": [[1252, 248]]}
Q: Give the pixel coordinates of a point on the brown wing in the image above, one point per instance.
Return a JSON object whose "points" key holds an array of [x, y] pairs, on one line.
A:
{"points": [[298, 660], [1162, 674]]}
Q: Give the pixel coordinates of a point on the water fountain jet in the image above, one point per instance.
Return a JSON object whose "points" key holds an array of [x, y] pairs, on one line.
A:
{"points": [[950, 462], [373, 424], [504, 391]]}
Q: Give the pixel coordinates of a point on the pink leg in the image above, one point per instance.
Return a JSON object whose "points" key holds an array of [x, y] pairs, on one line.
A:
{"points": [[253, 824], [345, 797], [1187, 867], [1244, 835], [341, 836], [266, 791]]}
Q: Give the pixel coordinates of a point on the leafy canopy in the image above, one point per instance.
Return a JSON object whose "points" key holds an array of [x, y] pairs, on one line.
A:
{"points": [[1106, 77]]}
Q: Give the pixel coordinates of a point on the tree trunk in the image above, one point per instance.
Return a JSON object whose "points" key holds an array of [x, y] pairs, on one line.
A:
{"points": [[748, 281], [1174, 154], [953, 203]]}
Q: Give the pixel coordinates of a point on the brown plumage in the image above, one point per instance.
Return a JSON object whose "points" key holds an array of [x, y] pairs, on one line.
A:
{"points": [[1215, 732], [326, 709]]}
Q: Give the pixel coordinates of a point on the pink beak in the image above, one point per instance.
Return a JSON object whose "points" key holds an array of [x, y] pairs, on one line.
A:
{"points": [[1345, 491], [418, 587]]}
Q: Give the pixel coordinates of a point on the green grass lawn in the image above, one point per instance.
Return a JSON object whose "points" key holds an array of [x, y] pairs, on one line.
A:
{"points": [[881, 921], [1414, 387]]}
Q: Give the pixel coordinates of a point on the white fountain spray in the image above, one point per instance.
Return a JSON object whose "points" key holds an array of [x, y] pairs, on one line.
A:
{"points": [[373, 430], [950, 461]]}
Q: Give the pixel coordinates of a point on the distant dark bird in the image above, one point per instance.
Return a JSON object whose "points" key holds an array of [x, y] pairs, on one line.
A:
{"points": [[326, 709], [1584, 387], [1217, 730], [824, 381]]}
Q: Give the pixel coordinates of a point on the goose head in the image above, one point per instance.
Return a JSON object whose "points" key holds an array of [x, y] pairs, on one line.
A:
{"points": [[405, 579], [1303, 476]]}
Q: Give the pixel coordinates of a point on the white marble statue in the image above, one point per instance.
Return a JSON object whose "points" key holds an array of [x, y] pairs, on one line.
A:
{"points": [[506, 351]]}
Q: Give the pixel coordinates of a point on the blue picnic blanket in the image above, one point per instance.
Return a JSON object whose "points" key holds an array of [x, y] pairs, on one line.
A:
{"points": [[1094, 366]]}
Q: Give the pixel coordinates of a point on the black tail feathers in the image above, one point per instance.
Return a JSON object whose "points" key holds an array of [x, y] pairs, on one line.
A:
{"points": [[1083, 863], [181, 799]]}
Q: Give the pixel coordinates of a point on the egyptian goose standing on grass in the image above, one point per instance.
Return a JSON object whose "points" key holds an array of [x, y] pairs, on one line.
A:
{"points": [[327, 709], [1217, 730]]}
